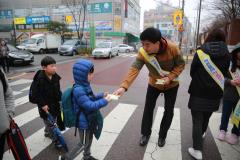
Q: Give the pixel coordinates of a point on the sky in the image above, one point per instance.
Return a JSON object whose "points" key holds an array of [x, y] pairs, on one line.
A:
{"points": [[190, 9]]}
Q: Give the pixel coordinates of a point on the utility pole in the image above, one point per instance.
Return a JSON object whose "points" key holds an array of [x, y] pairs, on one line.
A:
{"points": [[181, 33], [198, 25]]}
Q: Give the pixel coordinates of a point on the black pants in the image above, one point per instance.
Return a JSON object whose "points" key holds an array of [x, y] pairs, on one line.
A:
{"points": [[151, 98], [200, 121], [2, 144], [4, 62]]}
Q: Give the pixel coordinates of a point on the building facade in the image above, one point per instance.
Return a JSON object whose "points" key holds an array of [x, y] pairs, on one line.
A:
{"points": [[117, 20], [162, 18]]}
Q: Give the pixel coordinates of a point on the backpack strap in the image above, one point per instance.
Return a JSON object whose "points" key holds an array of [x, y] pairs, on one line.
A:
{"points": [[79, 112]]}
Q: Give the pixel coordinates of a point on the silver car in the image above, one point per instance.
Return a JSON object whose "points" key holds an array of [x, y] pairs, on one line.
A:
{"points": [[123, 48], [71, 47], [105, 49]]}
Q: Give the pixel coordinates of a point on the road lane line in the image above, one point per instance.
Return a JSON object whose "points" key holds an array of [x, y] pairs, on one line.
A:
{"points": [[172, 148], [227, 151], [113, 124]]}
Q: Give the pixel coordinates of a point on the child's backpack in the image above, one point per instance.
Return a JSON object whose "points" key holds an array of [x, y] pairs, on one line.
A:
{"points": [[69, 117], [33, 91]]}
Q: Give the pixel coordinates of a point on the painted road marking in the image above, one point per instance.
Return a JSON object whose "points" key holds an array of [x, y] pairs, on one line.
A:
{"points": [[113, 125], [172, 148], [227, 151]]}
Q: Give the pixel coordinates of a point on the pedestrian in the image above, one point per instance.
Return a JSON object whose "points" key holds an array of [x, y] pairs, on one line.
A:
{"points": [[4, 57], [6, 108], [208, 69], [48, 95], [164, 63], [230, 99], [85, 103]]}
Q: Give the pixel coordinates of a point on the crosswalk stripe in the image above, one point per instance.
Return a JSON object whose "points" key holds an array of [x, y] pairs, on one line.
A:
{"points": [[26, 117], [20, 81], [227, 151], [25, 89], [133, 55], [113, 124], [172, 148], [16, 93], [21, 101]]}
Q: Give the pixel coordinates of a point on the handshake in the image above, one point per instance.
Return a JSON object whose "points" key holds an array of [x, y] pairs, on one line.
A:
{"points": [[115, 96]]}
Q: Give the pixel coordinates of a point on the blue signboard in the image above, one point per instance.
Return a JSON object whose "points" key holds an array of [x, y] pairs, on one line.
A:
{"points": [[37, 19], [6, 14]]}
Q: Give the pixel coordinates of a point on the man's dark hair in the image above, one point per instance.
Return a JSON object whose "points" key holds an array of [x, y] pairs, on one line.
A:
{"points": [[151, 34], [216, 35], [47, 61]]}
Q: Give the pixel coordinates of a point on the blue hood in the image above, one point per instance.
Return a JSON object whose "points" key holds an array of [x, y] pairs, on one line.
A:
{"points": [[80, 72]]}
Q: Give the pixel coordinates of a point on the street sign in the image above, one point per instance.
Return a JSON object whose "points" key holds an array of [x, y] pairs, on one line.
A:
{"points": [[68, 19], [178, 17]]}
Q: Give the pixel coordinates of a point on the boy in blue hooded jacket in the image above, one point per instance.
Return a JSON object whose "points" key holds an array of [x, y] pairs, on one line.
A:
{"points": [[84, 102]]}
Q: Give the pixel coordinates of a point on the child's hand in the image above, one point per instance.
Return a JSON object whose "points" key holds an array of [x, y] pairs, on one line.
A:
{"points": [[45, 108], [108, 98]]}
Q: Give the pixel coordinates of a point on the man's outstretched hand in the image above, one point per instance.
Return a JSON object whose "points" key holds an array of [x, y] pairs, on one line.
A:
{"points": [[119, 91]]}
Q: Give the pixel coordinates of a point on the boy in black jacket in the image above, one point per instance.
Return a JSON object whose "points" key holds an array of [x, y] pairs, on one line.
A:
{"points": [[49, 94]]}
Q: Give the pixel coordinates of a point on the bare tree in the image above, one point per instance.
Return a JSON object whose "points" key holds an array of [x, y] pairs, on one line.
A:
{"points": [[216, 23], [229, 8], [77, 8]]}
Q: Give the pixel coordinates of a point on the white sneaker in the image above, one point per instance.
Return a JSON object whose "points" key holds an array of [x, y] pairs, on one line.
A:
{"points": [[195, 153], [204, 135]]}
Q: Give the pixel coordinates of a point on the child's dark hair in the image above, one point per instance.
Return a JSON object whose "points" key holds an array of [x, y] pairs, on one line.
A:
{"points": [[234, 59], [91, 70], [47, 61], [153, 35]]}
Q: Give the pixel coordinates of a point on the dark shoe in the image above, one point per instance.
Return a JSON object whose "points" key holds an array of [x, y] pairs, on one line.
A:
{"points": [[161, 142], [89, 158], [144, 140], [58, 145], [47, 134]]}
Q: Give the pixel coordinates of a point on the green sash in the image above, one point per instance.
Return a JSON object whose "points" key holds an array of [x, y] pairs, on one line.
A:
{"points": [[236, 113], [211, 68]]}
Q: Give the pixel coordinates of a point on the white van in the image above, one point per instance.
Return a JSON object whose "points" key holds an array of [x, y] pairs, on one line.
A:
{"points": [[43, 43]]}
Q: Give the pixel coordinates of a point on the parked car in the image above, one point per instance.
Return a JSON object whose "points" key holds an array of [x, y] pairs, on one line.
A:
{"points": [[125, 48], [71, 47], [105, 49], [17, 56]]}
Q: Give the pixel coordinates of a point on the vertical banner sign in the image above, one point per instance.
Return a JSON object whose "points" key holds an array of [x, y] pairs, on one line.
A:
{"points": [[92, 36], [117, 23]]}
